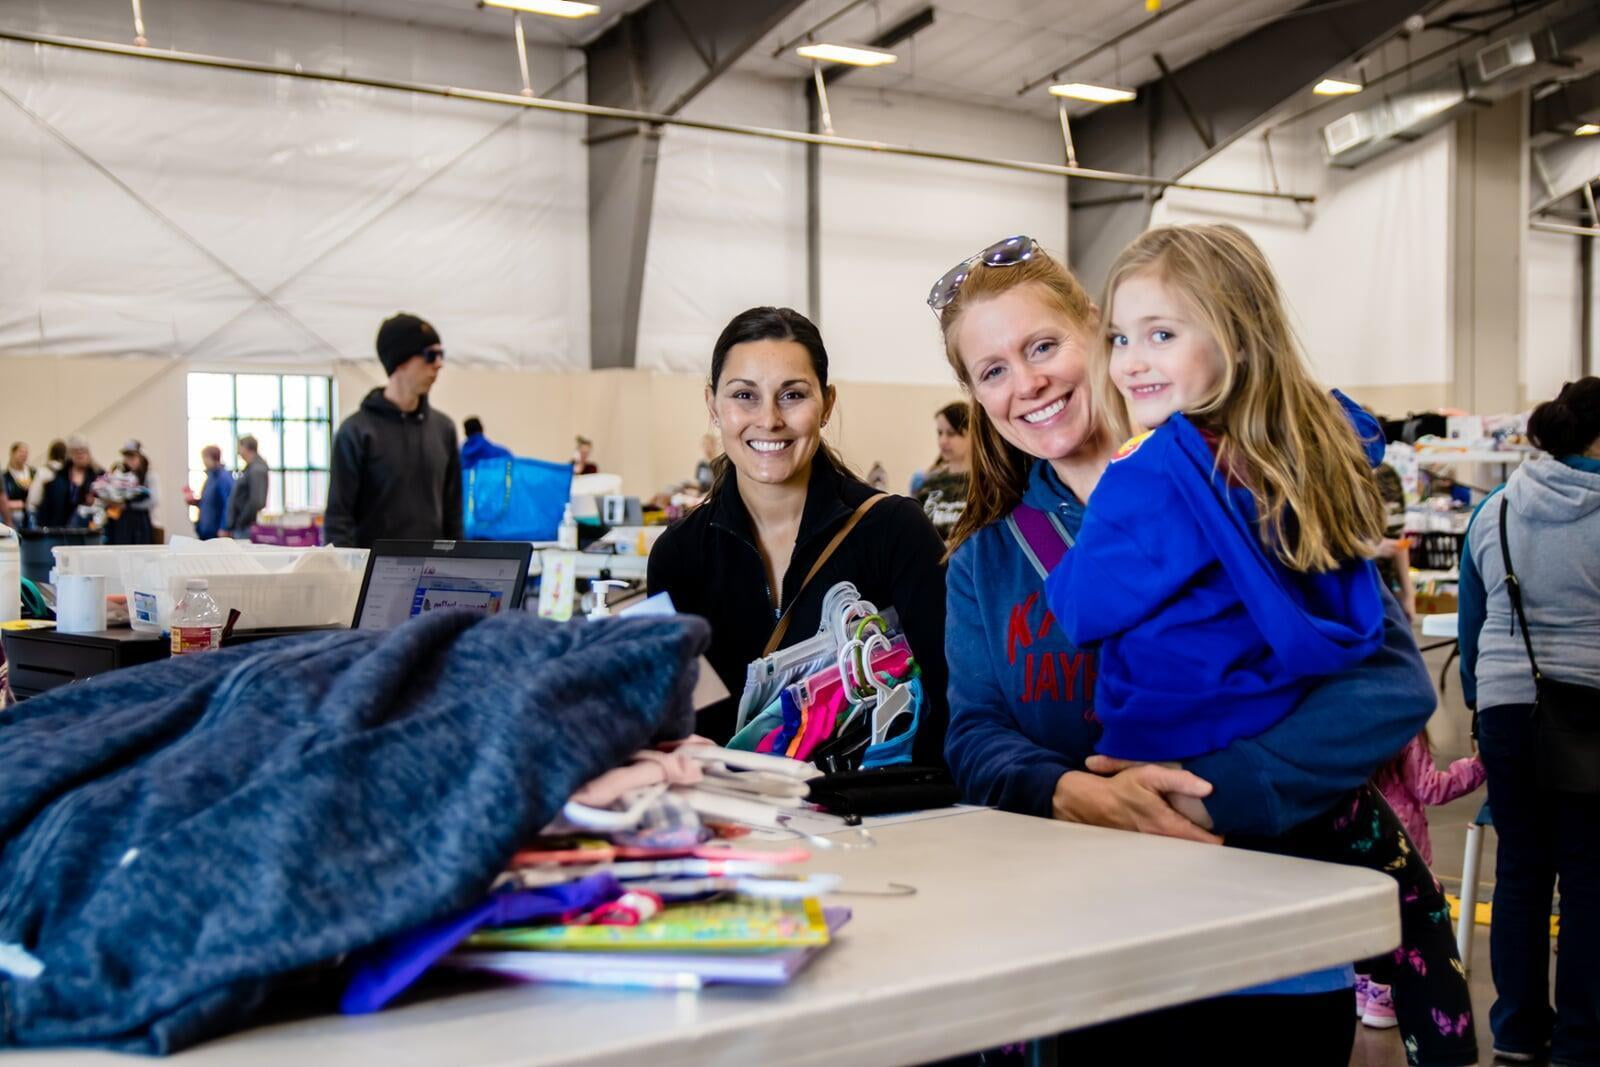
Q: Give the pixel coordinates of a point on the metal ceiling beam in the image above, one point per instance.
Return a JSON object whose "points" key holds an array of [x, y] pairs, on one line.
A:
{"points": [[655, 60], [1561, 169], [1564, 110], [1231, 89], [630, 116], [627, 115]]}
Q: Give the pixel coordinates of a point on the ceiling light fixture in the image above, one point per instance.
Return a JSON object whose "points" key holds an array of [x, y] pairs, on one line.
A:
{"points": [[1588, 129], [1336, 87], [561, 9], [1094, 94], [850, 54]]}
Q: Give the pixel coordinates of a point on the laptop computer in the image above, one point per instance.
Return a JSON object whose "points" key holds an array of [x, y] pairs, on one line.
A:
{"points": [[405, 579]]}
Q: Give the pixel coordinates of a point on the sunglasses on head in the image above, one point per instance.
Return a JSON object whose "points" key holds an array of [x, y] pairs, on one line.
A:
{"points": [[1007, 253]]}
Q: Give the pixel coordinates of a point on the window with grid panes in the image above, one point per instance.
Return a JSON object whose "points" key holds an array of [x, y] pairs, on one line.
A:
{"points": [[291, 418]]}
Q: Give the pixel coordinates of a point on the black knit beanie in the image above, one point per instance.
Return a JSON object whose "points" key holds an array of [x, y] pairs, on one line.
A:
{"points": [[401, 337]]}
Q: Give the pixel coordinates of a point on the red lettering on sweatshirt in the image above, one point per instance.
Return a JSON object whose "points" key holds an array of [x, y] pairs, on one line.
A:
{"points": [[1046, 681], [1070, 666], [1043, 678], [1019, 633]]}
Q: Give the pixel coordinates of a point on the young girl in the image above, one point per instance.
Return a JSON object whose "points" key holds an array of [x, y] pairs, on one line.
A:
{"points": [[1411, 782], [1224, 564]]}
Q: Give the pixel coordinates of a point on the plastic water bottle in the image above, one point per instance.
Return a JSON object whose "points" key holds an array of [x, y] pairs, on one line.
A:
{"points": [[197, 620], [10, 575], [567, 532]]}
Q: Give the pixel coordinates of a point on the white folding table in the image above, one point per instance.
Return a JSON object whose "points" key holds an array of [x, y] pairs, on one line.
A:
{"points": [[1019, 928]]}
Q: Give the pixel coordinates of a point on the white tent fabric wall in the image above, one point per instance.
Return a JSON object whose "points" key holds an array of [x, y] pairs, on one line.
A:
{"points": [[728, 229], [271, 219], [1366, 269], [892, 225], [1553, 342]]}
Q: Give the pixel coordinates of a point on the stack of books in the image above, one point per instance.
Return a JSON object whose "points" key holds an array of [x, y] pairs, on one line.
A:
{"points": [[738, 940]]}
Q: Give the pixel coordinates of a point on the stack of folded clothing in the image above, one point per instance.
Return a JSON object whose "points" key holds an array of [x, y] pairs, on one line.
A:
{"points": [[641, 881]]}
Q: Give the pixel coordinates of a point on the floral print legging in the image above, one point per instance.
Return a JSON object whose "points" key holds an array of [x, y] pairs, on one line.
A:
{"points": [[1432, 1002]]}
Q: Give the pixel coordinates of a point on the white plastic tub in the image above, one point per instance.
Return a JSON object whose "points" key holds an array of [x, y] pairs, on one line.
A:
{"points": [[271, 587], [110, 561], [102, 560]]}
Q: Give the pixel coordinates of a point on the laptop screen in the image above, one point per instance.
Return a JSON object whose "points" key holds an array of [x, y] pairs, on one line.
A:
{"points": [[401, 587]]}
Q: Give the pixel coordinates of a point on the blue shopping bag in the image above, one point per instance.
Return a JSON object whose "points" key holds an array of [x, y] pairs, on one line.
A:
{"points": [[515, 499]]}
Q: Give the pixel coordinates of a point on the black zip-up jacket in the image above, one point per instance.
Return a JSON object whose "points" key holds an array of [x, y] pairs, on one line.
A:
{"points": [[710, 564], [396, 474]]}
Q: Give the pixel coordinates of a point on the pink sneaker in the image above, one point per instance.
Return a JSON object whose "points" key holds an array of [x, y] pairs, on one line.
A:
{"points": [[1380, 1008], [1363, 991]]}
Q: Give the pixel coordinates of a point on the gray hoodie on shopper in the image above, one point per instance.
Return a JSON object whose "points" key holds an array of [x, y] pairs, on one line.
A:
{"points": [[1554, 530]]}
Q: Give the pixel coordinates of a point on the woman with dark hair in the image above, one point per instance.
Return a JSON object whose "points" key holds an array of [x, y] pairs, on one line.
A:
{"points": [[942, 491], [18, 479], [55, 463], [1546, 522], [67, 496], [780, 496], [130, 496]]}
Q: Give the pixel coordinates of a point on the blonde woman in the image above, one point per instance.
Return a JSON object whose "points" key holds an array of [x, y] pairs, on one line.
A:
{"points": [[1019, 331]]}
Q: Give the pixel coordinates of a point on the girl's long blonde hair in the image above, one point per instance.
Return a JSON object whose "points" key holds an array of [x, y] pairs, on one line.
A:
{"points": [[999, 469], [1281, 433]]}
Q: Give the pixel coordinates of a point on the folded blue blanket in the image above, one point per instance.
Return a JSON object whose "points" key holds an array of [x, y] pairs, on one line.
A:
{"points": [[180, 838]]}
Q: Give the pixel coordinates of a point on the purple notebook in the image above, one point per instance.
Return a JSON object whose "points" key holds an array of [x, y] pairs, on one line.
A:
{"points": [[649, 970]]}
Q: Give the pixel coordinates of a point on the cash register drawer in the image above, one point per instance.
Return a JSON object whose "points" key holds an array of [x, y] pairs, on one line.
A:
{"points": [[41, 660]]}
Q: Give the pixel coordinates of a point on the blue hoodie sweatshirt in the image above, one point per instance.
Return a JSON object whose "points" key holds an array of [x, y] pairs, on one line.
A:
{"points": [[1022, 705], [1021, 698], [1206, 637]]}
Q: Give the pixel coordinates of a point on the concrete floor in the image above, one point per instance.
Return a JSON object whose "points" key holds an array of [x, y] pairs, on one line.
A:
{"points": [[1448, 825]]}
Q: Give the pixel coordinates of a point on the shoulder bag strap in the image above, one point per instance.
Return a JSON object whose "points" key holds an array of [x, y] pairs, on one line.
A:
{"points": [[1514, 589], [838, 539], [1043, 540]]}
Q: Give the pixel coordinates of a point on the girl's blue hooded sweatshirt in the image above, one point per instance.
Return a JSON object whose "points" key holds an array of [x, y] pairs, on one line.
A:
{"points": [[1205, 638]]}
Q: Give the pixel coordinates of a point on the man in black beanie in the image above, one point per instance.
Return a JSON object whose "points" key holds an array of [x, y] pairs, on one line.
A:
{"points": [[396, 472]]}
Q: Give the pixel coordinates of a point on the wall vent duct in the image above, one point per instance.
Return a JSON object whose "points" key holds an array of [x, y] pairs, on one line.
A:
{"points": [[1503, 67]]}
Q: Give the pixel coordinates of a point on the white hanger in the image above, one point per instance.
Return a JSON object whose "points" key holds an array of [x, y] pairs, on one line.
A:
{"points": [[845, 661], [724, 807], [751, 761], [893, 701], [876, 643], [854, 611], [606, 819], [896, 704]]}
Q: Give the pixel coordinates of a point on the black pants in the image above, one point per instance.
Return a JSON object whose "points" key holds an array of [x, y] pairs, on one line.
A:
{"points": [[1543, 836], [1432, 1002], [1314, 1030]]}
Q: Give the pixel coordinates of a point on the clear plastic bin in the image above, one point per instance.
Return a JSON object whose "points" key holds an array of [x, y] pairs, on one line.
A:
{"points": [[271, 587], [108, 560], [102, 560]]}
